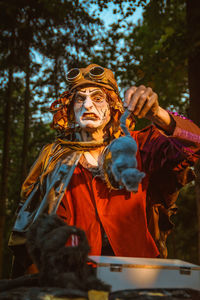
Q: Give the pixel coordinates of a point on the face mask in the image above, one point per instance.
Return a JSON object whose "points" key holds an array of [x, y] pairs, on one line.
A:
{"points": [[91, 108]]}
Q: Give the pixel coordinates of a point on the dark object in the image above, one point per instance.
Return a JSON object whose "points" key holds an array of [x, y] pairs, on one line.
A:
{"points": [[155, 294], [27, 280], [38, 293], [59, 265]]}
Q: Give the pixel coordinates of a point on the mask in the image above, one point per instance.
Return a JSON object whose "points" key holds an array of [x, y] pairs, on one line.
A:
{"points": [[91, 108]]}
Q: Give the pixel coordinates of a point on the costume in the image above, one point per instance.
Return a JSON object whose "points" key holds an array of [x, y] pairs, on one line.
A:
{"points": [[123, 214], [89, 202], [136, 224]]}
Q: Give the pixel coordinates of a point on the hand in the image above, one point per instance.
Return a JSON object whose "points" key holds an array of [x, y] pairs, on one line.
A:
{"points": [[142, 101]]}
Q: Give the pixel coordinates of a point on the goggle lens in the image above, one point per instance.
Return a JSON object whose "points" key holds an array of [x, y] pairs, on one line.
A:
{"points": [[97, 73], [73, 75]]}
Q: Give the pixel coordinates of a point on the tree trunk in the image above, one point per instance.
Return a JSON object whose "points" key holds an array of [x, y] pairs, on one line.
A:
{"points": [[193, 22], [26, 119], [5, 165]]}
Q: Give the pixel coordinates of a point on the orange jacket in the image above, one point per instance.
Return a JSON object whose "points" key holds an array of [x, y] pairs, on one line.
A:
{"points": [[88, 201], [128, 219]]}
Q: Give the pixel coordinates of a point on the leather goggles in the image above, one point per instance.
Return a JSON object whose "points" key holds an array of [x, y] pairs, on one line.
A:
{"points": [[92, 75]]}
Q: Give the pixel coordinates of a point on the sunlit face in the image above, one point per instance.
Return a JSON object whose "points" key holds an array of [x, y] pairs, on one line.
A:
{"points": [[91, 109]]}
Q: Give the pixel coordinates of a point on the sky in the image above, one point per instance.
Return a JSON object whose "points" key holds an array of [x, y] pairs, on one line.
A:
{"points": [[108, 17]]}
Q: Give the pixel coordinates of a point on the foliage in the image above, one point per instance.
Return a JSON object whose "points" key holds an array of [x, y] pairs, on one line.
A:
{"points": [[31, 31], [161, 64], [182, 243], [152, 52]]}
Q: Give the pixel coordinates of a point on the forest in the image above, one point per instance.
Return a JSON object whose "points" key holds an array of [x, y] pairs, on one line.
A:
{"points": [[41, 40]]}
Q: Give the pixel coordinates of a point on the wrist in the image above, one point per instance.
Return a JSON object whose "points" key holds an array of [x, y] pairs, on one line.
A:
{"points": [[164, 120]]}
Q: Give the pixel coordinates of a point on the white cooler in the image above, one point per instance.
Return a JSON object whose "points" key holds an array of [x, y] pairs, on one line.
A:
{"points": [[124, 273]]}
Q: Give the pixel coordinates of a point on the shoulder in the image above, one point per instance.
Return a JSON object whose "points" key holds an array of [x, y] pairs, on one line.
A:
{"points": [[47, 151], [51, 147]]}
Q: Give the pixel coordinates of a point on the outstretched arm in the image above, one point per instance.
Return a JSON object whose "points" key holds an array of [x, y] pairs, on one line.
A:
{"points": [[143, 102]]}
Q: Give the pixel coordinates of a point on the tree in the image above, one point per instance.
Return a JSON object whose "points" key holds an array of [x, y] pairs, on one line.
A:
{"points": [[193, 21], [182, 243], [27, 27], [5, 161]]}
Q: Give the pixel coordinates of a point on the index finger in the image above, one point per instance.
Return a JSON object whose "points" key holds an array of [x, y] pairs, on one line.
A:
{"points": [[128, 94]]}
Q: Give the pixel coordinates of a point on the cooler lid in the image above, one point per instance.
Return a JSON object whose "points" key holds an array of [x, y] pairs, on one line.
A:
{"points": [[140, 262]]}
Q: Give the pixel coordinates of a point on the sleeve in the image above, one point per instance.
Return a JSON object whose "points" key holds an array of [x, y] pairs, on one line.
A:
{"points": [[35, 171], [160, 151], [187, 133], [167, 161]]}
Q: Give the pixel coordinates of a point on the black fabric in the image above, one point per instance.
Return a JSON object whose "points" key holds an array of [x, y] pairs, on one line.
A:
{"points": [[21, 262]]}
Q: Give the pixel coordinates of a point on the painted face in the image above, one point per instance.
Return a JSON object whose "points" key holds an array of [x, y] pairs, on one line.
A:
{"points": [[91, 108]]}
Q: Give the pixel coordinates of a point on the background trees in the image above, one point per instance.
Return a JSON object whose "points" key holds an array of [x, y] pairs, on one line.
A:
{"points": [[31, 29], [41, 40]]}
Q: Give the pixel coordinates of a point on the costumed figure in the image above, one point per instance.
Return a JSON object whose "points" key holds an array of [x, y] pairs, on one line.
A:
{"points": [[119, 185]]}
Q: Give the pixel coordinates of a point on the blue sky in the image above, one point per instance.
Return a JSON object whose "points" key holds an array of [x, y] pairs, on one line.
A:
{"points": [[109, 18]]}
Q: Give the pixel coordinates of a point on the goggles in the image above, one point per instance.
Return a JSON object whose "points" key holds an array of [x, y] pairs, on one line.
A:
{"points": [[96, 74]]}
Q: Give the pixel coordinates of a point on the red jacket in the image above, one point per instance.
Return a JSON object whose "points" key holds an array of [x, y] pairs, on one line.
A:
{"points": [[88, 201], [128, 219]]}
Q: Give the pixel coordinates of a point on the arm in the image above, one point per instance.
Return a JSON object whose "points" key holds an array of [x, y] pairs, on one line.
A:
{"points": [[143, 103], [168, 149], [164, 120]]}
